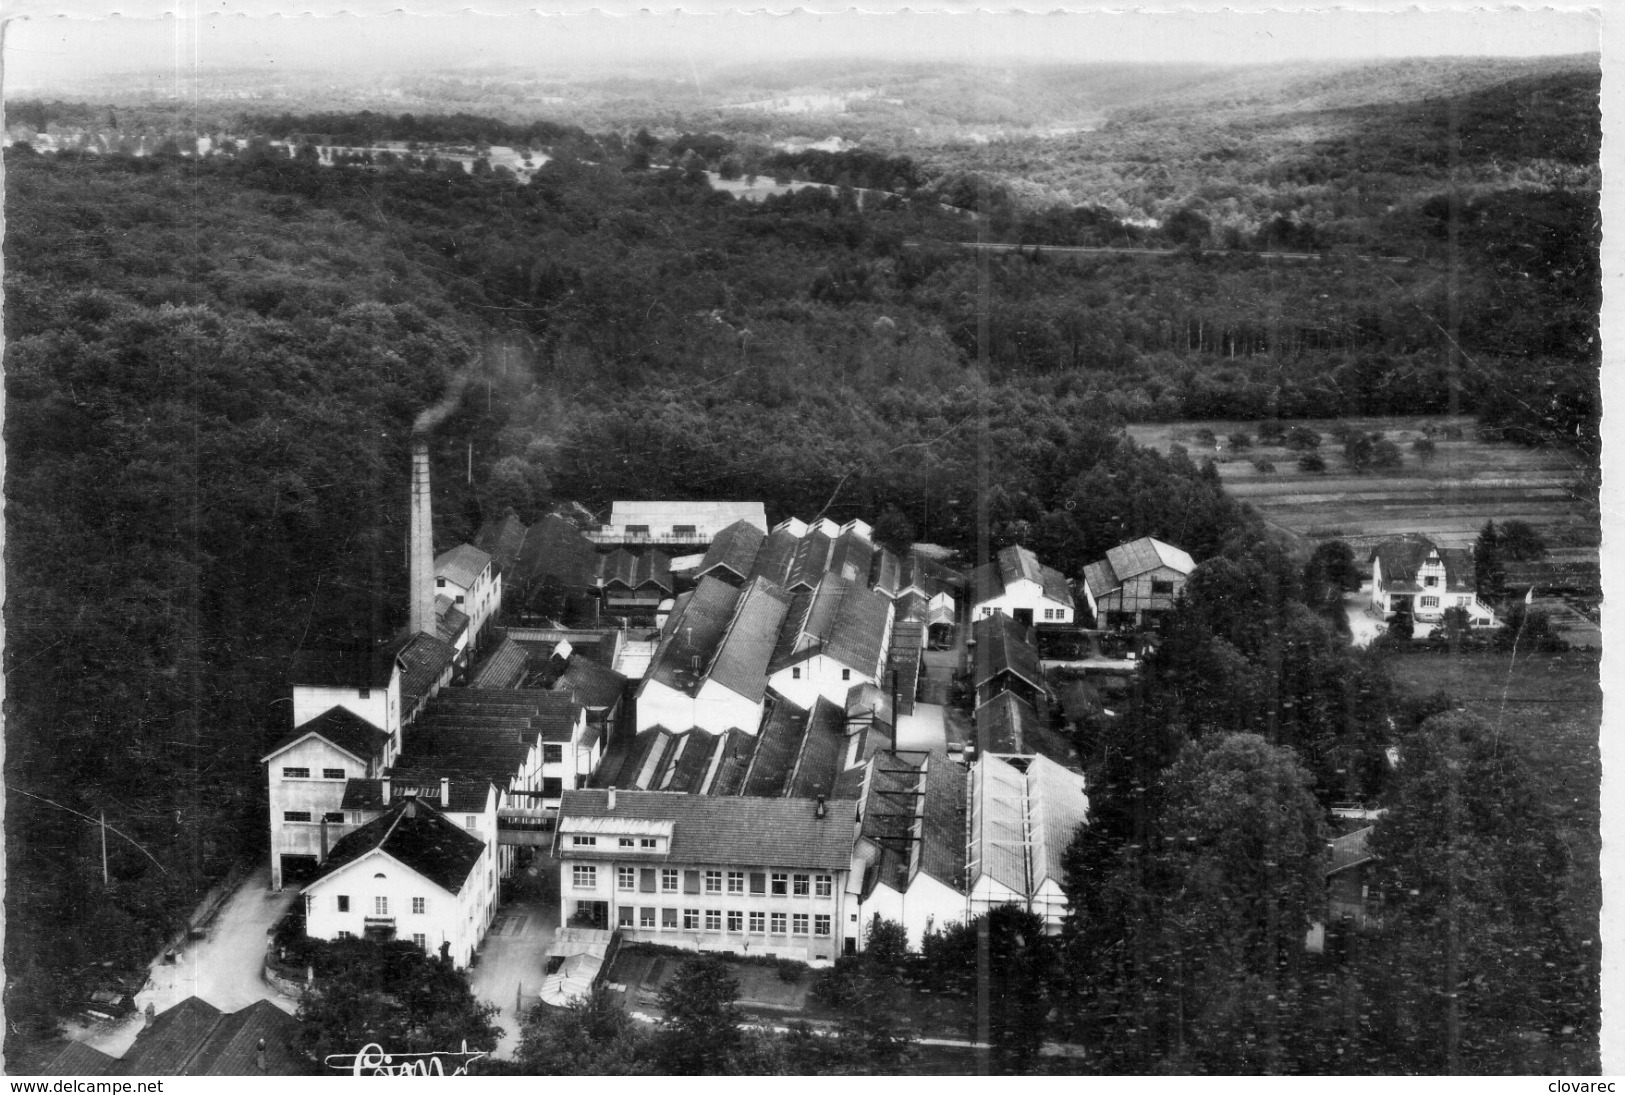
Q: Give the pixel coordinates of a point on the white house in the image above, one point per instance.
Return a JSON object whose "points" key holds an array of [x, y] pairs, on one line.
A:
{"points": [[834, 636], [754, 876], [306, 773], [1136, 583], [468, 576], [410, 874], [711, 667], [469, 803], [1015, 584], [1425, 579], [1024, 811]]}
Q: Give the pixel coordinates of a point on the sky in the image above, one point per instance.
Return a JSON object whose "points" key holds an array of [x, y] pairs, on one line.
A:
{"points": [[44, 49]]}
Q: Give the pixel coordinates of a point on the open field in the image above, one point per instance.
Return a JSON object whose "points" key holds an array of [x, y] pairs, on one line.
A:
{"points": [[1553, 708], [1447, 497]]}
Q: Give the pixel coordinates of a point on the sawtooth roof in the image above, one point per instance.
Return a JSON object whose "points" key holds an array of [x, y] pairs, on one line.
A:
{"points": [[731, 831], [740, 663], [775, 557], [839, 619], [634, 570], [416, 835], [1021, 821]]}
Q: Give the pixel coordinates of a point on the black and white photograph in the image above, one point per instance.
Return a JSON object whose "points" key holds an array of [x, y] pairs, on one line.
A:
{"points": [[896, 543]]}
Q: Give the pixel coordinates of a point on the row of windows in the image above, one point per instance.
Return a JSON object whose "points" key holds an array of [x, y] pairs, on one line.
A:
{"points": [[1433, 602], [711, 920], [584, 876], [304, 773], [380, 905], [1055, 614], [644, 842], [305, 815]]}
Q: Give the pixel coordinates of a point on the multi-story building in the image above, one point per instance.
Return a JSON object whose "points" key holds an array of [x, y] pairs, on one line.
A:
{"points": [[467, 576], [728, 874], [411, 874], [1418, 576]]}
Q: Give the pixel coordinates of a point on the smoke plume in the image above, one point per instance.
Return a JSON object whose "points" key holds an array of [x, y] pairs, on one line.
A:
{"points": [[431, 417]]}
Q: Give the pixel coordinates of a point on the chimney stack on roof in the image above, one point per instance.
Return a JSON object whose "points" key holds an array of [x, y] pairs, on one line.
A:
{"points": [[820, 810], [383, 790], [612, 798], [445, 792]]}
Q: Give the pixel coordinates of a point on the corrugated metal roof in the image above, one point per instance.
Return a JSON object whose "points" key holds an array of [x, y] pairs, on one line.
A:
{"points": [[635, 570], [732, 831], [505, 668], [1008, 724], [1100, 578], [775, 556]]}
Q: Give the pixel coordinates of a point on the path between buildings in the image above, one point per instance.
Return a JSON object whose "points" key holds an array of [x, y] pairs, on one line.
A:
{"points": [[513, 958], [224, 968]]}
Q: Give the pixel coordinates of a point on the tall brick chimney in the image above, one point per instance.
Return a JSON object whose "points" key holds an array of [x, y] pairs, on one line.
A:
{"points": [[420, 549]]}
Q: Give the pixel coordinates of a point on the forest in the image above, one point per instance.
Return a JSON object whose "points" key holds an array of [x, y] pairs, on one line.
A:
{"points": [[213, 364]]}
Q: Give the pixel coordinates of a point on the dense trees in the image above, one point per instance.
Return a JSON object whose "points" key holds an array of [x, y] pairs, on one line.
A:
{"points": [[394, 996]]}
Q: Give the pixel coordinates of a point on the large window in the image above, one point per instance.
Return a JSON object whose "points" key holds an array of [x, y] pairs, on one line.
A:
{"points": [[798, 924], [826, 885], [713, 881], [624, 916], [344, 902], [821, 924], [758, 923], [626, 878], [584, 876], [778, 923], [552, 754], [1164, 588], [736, 881], [668, 919], [691, 919], [420, 941], [295, 815], [646, 918], [420, 905], [1430, 602], [584, 841], [781, 884], [380, 906], [668, 880], [332, 773], [802, 885], [296, 773], [736, 920], [713, 920]]}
